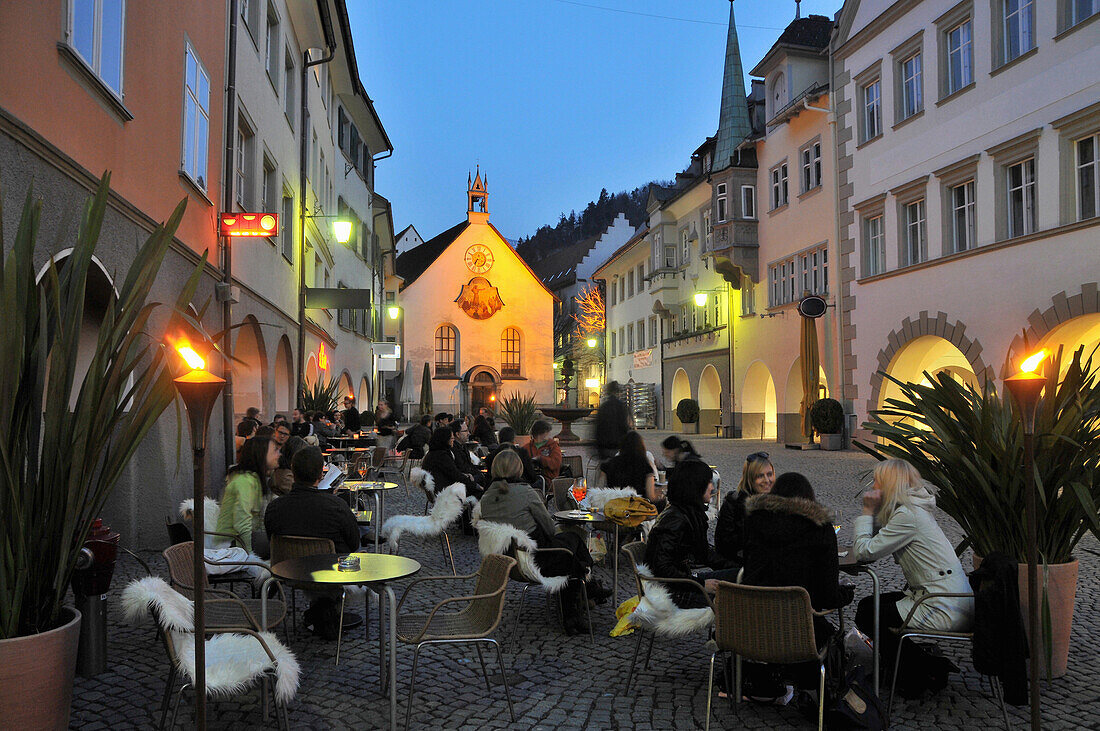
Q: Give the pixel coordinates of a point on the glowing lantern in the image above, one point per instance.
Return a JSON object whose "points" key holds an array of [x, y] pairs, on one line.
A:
{"points": [[322, 358]]}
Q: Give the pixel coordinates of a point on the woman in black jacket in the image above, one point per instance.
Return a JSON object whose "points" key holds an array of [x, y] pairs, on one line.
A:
{"points": [[678, 542], [631, 468], [439, 462], [757, 477]]}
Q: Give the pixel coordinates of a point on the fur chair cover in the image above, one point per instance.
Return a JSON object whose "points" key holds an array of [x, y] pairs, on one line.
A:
{"points": [[657, 612], [233, 661], [221, 553], [497, 538], [446, 510], [599, 496], [422, 478], [210, 513]]}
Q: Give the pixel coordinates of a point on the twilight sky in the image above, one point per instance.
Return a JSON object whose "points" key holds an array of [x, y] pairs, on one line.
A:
{"points": [[555, 98]]}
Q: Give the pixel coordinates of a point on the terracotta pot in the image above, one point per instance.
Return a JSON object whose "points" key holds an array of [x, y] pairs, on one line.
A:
{"points": [[36, 676], [1061, 593], [521, 440]]}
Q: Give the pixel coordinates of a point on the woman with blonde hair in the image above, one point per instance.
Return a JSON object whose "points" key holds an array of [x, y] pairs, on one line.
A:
{"points": [[757, 478], [902, 506]]}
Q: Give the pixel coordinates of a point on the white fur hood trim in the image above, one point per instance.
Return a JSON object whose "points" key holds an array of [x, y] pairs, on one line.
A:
{"points": [[497, 537], [447, 509], [658, 612], [233, 661]]}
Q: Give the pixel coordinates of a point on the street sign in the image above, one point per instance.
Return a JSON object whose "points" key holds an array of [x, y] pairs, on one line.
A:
{"points": [[812, 306], [248, 224]]}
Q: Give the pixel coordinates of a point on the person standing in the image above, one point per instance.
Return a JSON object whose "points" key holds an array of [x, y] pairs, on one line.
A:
{"points": [[352, 422], [612, 423]]}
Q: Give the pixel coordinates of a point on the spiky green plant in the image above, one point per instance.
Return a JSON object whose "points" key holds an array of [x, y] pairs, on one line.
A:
{"points": [[322, 396], [60, 459], [518, 412], [970, 445]]}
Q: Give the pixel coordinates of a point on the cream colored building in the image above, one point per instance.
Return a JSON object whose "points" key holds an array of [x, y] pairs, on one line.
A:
{"points": [[968, 136], [477, 314]]}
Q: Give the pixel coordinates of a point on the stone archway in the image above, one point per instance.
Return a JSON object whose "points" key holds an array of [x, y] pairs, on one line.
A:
{"points": [[480, 389], [939, 328], [284, 377], [1069, 322], [759, 414], [681, 389], [710, 399], [250, 369]]}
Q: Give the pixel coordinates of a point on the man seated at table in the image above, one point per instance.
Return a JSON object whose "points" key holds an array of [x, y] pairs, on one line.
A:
{"points": [[461, 449], [543, 450], [307, 511], [416, 438], [442, 419], [439, 462], [300, 425]]}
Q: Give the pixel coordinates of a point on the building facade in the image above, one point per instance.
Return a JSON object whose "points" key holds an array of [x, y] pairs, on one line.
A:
{"points": [[967, 154], [477, 315]]}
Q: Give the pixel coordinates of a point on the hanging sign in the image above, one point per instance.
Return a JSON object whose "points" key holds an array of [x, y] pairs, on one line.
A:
{"points": [[248, 224]]}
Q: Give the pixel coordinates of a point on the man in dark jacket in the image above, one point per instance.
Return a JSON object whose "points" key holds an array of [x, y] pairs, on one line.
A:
{"points": [[352, 423], [416, 438], [612, 423], [461, 450]]}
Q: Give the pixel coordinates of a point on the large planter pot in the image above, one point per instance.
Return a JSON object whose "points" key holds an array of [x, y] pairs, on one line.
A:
{"points": [[692, 428], [36, 676], [831, 442], [522, 439], [1061, 593]]}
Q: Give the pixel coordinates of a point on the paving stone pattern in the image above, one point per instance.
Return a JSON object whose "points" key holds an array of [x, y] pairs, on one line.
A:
{"points": [[564, 682]]}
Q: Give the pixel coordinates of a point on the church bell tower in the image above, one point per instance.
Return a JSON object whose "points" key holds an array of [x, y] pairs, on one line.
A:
{"points": [[477, 208]]}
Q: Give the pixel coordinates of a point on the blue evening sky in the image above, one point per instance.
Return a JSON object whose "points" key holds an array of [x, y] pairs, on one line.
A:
{"points": [[555, 98]]}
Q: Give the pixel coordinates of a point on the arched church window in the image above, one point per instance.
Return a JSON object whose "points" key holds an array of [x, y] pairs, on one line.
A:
{"points": [[509, 352], [446, 346]]}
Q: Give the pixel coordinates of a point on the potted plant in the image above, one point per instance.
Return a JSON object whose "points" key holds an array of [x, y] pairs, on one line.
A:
{"points": [[66, 441], [687, 411], [969, 444], [827, 417], [518, 412]]}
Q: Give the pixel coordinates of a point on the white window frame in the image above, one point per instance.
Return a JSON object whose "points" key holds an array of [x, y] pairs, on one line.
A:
{"points": [[915, 231], [722, 203], [779, 182], [748, 201], [670, 257], [912, 85], [748, 295], [95, 63], [810, 157], [286, 225], [1072, 18], [1082, 170], [653, 331], [960, 55], [273, 60], [630, 337], [196, 121], [639, 328], [874, 244], [963, 216], [1027, 203], [244, 172], [872, 109], [289, 85], [1024, 16], [269, 185], [685, 247]]}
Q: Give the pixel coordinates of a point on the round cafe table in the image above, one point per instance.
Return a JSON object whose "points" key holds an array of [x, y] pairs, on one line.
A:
{"points": [[582, 517], [377, 571], [377, 490]]}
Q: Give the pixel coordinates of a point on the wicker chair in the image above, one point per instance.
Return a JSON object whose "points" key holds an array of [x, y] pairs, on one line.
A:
{"points": [[559, 499], [284, 547], [575, 464], [244, 613], [393, 466], [770, 624], [528, 582], [179, 532], [635, 553], [908, 632], [472, 624]]}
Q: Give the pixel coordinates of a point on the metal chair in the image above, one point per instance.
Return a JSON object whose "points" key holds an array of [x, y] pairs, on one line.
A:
{"points": [[180, 558], [527, 581], [284, 547], [178, 532], [635, 553], [908, 632], [394, 466], [478, 618], [770, 624]]}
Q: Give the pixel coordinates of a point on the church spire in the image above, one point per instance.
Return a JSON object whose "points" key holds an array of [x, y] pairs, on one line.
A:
{"points": [[733, 119]]}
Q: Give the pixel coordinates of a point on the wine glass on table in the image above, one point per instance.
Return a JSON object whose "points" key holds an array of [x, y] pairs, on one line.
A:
{"points": [[580, 491]]}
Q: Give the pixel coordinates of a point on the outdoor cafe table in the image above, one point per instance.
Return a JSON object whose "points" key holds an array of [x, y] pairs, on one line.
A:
{"points": [[849, 565], [376, 570], [377, 491], [589, 517]]}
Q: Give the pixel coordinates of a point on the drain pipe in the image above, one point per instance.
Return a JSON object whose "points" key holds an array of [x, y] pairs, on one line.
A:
{"points": [[839, 362], [225, 296]]}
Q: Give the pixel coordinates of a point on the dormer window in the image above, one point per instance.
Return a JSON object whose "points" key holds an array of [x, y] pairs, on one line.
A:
{"points": [[778, 96]]}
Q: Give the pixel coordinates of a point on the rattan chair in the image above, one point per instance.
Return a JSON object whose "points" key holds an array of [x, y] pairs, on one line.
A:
{"points": [[635, 553], [769, 624], [179, 532], [181, 569], [517, 575], [908, 632], [575, 463], [559, 499], [284, 547], [478, 617]]}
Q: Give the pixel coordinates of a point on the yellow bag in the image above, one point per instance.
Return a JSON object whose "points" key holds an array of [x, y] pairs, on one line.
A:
{"points": [[629, 512], [622, 613]]}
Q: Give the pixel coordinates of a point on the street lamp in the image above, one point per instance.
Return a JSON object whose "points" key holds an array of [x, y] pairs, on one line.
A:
{"points": [[592, 342], [199, 390], [1026, 387], [700, 299], [341, 229], [393, 311]]}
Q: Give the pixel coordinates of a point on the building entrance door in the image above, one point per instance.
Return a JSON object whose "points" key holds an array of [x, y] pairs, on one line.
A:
{"points": [[482, 392]]}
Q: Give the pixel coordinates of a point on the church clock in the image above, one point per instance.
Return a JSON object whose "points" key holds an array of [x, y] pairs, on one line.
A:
{"points": [[479, 259]]}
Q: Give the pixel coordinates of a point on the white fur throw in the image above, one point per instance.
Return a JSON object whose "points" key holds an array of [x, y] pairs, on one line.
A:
{"points": [[210, 513], [497, 537], [233, 661], [447, 509], [598, 497], [422, 479], [657, 611]]}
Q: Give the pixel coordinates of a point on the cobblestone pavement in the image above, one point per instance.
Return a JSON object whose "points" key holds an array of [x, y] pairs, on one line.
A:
{"points": [[564, 682]]}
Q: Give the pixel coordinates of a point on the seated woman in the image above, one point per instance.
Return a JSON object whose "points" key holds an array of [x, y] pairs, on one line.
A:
{"points": [[675, 450], [908, 530], [544, 450], [509, 501], [439, 462], [678, 543], [282, 477], [483, 431], [631, 468], [245, 431], [244, 496], [757, 478]]}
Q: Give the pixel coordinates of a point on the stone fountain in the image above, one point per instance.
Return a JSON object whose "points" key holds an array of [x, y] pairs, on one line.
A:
{"points": [[563, 412]]}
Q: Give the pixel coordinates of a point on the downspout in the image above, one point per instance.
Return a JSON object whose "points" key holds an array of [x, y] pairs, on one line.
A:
{"points": [[223, 241], [839, 361], [303, 162]]}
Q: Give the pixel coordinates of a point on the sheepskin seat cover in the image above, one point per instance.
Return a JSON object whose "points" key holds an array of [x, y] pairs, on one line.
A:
{"points": [[656, 611], [422, 479], [233, 661], [446, 510], [497, 538], [598, 497]]}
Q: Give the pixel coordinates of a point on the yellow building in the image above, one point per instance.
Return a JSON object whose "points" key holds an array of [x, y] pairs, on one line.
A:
{"points": [[476, 314]]}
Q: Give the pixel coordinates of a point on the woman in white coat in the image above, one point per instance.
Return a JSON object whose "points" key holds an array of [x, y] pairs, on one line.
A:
{"points": [[908, 530]]}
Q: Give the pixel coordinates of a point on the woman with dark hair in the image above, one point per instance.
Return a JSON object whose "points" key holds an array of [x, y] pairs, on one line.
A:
{"points": [[245, 431], [242, 503], [757, 478], [676, 450], [440, 463], [631, 468], [282, 477], [678, 543], [483, 431]]}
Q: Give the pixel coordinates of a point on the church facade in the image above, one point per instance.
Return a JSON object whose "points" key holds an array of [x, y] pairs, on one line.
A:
{"points": [[476, 314]]}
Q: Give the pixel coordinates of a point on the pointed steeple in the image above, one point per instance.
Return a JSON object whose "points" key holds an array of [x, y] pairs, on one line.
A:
{"points": [[733, 119], [477, 197]]}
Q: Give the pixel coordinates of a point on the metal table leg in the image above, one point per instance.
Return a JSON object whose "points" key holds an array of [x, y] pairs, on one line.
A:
{"points": [[875, 594], [393, 656], [340, 630], [377, 518]]}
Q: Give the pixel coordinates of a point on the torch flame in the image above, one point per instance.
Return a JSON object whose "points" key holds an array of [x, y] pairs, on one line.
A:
{"points": [[1032, 362], [193, 359]]}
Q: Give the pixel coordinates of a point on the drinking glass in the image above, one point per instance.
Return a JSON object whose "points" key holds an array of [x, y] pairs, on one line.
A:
{"points": [[580, 491]]}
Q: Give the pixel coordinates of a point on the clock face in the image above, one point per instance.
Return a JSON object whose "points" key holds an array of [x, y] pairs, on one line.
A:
{"points": [[479, 259]]}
